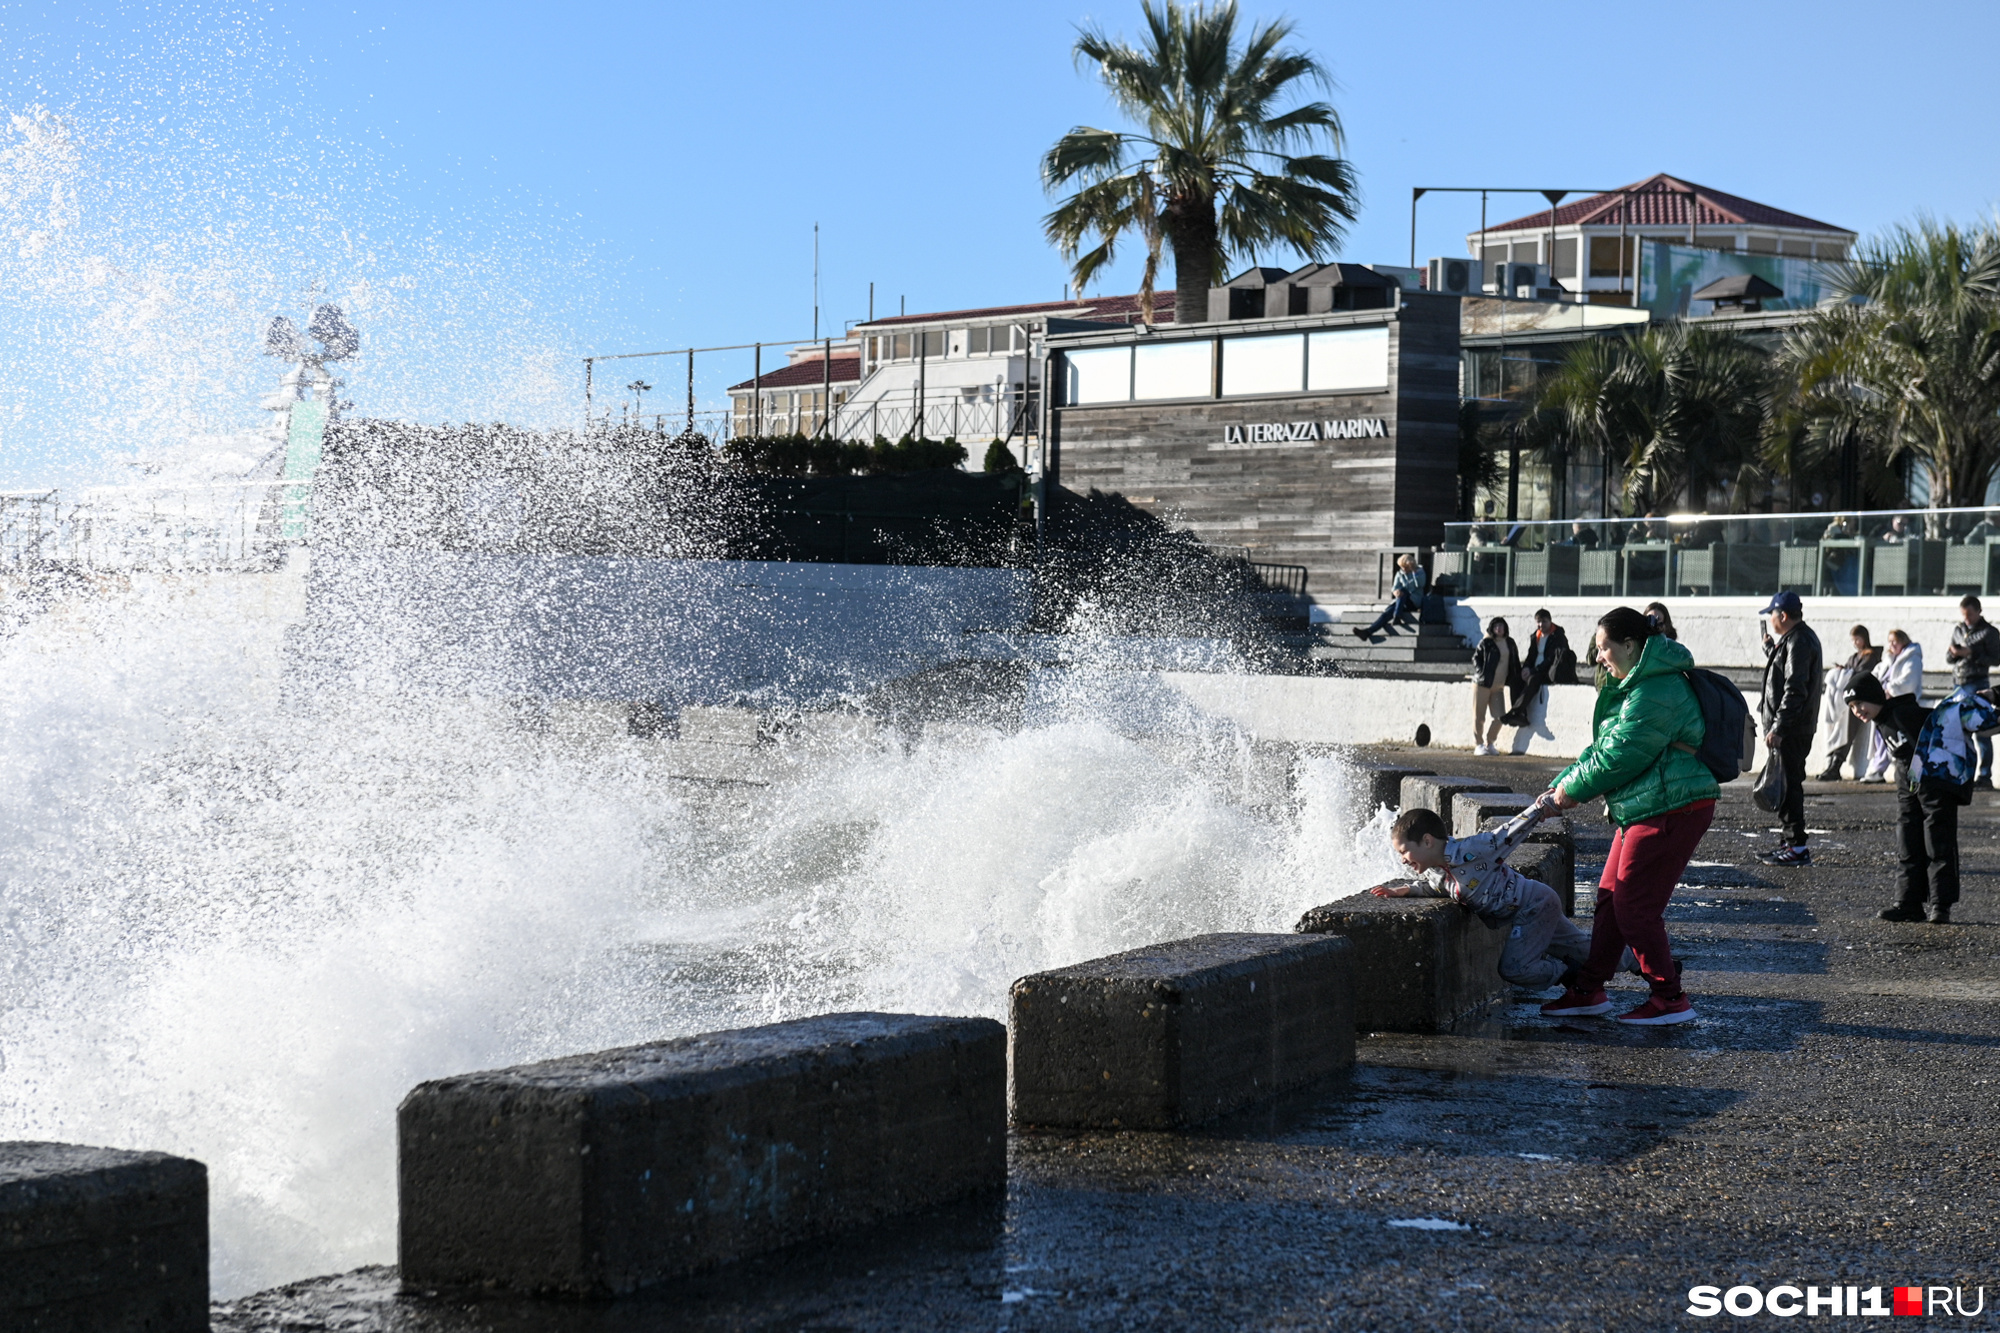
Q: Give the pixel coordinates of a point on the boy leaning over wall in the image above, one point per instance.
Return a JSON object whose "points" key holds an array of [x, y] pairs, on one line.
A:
{"points": [[1544, 947]]}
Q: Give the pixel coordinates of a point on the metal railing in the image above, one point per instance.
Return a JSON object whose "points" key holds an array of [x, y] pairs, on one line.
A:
{"points": [[1885, 552], [934, 415], [217, 525]]}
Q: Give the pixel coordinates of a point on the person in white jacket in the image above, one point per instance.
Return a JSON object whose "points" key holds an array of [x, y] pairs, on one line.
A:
{"points": [[1901, 672]]}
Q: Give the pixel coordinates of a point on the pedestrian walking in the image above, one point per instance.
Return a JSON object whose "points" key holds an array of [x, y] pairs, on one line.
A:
{"points": [[1646, 732], [1933, 749], [1549, 662], [1902, 675], [1850, 734], [1496, 664], [1974, 652], [1786, 714], [1406, 597]]}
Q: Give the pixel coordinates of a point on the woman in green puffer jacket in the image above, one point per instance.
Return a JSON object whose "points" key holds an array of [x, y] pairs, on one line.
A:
{"points": [[1642, 760]]}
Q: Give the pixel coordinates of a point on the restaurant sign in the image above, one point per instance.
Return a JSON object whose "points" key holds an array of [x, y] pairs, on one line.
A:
{"points": [[1280, 434]]}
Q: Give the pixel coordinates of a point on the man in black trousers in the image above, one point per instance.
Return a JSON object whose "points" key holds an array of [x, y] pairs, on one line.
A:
{"points": [[1926, 815], [1788, 712]]}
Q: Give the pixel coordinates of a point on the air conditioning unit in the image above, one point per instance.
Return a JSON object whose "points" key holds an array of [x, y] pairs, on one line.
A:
{"points": [[1523, 281], [1453, 276]]}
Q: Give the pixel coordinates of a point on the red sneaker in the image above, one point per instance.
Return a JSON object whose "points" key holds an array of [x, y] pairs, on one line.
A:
{"points": [[1574, 1001], [1656, 1012]]}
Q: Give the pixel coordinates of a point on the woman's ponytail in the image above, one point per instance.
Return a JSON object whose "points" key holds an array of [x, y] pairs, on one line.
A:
{"points": [[1625, 625]]}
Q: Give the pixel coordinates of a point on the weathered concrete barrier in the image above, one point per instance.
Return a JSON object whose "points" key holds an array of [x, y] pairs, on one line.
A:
{"points": [[1432, 791], [1382, 784], [597, 1174], [1175, 1034], [1419, 963], [97, 1240], [1471, 809]]}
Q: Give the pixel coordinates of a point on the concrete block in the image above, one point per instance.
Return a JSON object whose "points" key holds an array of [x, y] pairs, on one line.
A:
{"points": [[1471, 809], [98, 1240], [1382, 784], [1554, 865], [597, 1174], [1431, 791], [1178, 1033], [1419, 963]]}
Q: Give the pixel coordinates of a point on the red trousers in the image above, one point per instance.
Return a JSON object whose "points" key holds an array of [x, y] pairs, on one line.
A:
{"points": [[1645, 864]]}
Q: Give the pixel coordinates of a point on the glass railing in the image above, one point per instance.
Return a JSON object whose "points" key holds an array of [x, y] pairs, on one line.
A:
{"points": [[1887, 552]]}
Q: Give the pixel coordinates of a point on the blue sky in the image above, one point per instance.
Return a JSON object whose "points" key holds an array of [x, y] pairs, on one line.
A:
{"points": [[502, 188]]}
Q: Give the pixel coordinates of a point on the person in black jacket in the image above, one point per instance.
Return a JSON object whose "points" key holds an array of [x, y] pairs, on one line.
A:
{"points": [[1549, 662], [1496, 664], [1926, 816], [1974, 652], [1788, 711]]}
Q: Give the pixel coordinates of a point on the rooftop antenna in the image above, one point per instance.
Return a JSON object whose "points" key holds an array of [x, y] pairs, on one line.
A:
{"points": [[815, 282]]}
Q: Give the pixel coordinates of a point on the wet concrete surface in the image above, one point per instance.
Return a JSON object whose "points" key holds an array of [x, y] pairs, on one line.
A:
{"points": [[1828, 1119]]}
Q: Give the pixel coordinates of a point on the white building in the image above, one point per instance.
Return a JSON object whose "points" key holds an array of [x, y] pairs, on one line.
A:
{"points": [[1590, 245]]}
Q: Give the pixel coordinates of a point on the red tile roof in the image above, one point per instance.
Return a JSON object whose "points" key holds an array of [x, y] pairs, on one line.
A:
{"points": [[1662, 201], [1095, 307], [805, 375]]}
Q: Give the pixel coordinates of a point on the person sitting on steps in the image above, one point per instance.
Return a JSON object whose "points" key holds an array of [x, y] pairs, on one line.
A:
{"points": [[1406, 599]]}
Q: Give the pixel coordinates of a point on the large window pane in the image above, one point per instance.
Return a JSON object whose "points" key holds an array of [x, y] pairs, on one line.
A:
{"points": [[1098, 375], [1172, 370], [1264, 365], [1343, 359]]}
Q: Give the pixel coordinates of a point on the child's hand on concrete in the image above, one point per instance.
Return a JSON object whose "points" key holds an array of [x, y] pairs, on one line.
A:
{"points": [[1395, 888]]}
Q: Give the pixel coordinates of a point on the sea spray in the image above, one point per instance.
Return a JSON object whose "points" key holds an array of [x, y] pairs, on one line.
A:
{"points": [[241, 929]]}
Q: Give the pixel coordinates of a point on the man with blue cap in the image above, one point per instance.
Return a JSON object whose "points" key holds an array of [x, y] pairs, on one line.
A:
{"points": [[1787, 714]]}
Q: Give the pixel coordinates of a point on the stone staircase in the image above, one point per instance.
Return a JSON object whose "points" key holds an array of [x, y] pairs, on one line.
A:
{"points": [[1433, 642]]}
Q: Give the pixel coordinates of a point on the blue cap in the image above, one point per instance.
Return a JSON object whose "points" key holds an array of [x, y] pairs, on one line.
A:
{"points": [[1787, 601]]}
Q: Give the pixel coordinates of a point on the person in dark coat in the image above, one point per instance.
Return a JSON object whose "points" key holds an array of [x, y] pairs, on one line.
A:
{"points": [[1927, 807], [1974, 652], [1549, 660], [1496, 665], [1788, 712]]}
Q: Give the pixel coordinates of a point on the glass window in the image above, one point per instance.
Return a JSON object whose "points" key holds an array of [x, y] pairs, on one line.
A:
{"points": [[902, 347], [934, 343], [1527, 252], [1339, 360], [1833, 250], [1264, 365], [1172, 370], [977, 341], [1604, 260], [1098, 375], [1565, 257]]}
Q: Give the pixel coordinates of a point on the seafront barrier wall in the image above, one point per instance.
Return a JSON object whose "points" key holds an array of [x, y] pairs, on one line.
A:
{"points": [[599, 1174]]}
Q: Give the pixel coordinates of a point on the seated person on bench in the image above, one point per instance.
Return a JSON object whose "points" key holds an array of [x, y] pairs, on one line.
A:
{"points": [[1407, 599]]}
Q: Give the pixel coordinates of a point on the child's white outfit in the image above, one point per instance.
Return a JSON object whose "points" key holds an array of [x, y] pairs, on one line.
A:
{"points": [[1542, 943]]}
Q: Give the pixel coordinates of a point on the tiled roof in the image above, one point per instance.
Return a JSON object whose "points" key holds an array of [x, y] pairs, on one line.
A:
{"points": [[1662, 201], [1095, 307], [805, 374]]}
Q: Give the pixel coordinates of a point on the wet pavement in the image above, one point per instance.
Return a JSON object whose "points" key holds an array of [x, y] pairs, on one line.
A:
{"points": [[1828, 1120]]}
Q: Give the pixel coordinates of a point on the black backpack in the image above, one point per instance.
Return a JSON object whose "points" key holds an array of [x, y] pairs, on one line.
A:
{"points": [[1725, 720]]}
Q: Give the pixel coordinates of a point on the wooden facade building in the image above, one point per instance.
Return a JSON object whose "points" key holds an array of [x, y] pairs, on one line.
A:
{"points": [[1316, 440]]}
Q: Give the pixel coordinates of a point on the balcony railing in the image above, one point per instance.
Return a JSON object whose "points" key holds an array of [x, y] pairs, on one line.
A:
{"points": [[1891, 553]]}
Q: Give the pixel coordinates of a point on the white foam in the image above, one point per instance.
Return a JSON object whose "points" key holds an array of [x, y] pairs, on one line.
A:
{"points": [[242, 932]]}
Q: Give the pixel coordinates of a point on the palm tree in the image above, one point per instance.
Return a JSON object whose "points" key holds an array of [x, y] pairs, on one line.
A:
{"points": [[1678, 410], [1216, 169], [1910, 367]]}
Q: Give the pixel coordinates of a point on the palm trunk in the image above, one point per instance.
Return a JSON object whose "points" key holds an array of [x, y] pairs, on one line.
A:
{"points": [[1190, 228], [1146, 279]]}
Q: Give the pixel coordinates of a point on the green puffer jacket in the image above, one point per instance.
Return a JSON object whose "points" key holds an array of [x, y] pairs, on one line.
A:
{"points": [[1632, 760]]}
